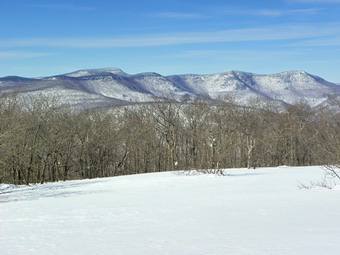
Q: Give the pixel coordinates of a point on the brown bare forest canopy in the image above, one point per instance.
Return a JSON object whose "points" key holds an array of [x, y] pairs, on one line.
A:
{"points": [[40, 143]]}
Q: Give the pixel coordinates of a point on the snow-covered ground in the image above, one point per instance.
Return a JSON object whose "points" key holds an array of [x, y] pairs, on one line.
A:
{"points": [[259, 211]]}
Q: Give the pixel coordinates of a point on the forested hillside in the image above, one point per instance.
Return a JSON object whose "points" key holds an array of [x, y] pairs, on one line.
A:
{"points": [[40, 143]]}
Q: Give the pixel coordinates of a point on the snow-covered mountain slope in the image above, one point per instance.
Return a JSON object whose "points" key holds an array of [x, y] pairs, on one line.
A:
{"points": [[63, 90], [249, 212], [220, 86], [112, 85], [294, 86], [289, 87], [89, 72]]}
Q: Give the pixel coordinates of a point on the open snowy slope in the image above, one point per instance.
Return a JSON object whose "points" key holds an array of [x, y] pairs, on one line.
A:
{"points": [[112, 85], [249, 212]]}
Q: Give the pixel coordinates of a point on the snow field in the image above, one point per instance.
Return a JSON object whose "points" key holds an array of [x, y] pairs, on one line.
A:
{"points": [[259, 211]]}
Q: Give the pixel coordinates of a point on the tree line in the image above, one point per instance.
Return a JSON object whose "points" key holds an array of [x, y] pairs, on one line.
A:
{"points": [[42, 143]]}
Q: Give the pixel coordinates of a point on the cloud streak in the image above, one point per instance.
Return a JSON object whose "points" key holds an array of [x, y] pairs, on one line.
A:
{"points": [[273, 12], [317, 1], [268, 33], [23, 54], [63, 7], [324, 42], [177, 15], [234, 11], [252, 54]]}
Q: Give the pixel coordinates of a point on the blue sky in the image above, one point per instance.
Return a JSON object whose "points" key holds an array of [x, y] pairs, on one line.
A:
{"points": [[43, 38]]}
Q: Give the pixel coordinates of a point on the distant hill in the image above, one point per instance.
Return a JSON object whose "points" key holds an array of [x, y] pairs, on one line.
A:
{"points": [[111, 86]]}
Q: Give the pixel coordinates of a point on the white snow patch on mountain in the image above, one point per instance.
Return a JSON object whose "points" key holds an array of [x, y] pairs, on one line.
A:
{"points": [[82, 73]]}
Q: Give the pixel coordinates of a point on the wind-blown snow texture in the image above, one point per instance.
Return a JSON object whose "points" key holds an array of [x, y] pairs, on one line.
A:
{"points": [[250, 212], [100, 87]]}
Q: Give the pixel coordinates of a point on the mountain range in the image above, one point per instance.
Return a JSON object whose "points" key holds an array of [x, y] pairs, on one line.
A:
{"points": [[111, 86]]}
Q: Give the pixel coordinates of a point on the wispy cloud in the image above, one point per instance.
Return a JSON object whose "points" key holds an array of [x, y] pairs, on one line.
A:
{"points": [[249, 53], [324, 42], [267, 33], [273, 12], [23, 54], [177, 15], [237, 11], [316, 1], [64, 7], [238, 55]]}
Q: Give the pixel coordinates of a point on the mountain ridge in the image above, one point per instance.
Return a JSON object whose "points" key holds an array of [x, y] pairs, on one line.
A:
{"points": [[88, 88]]}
